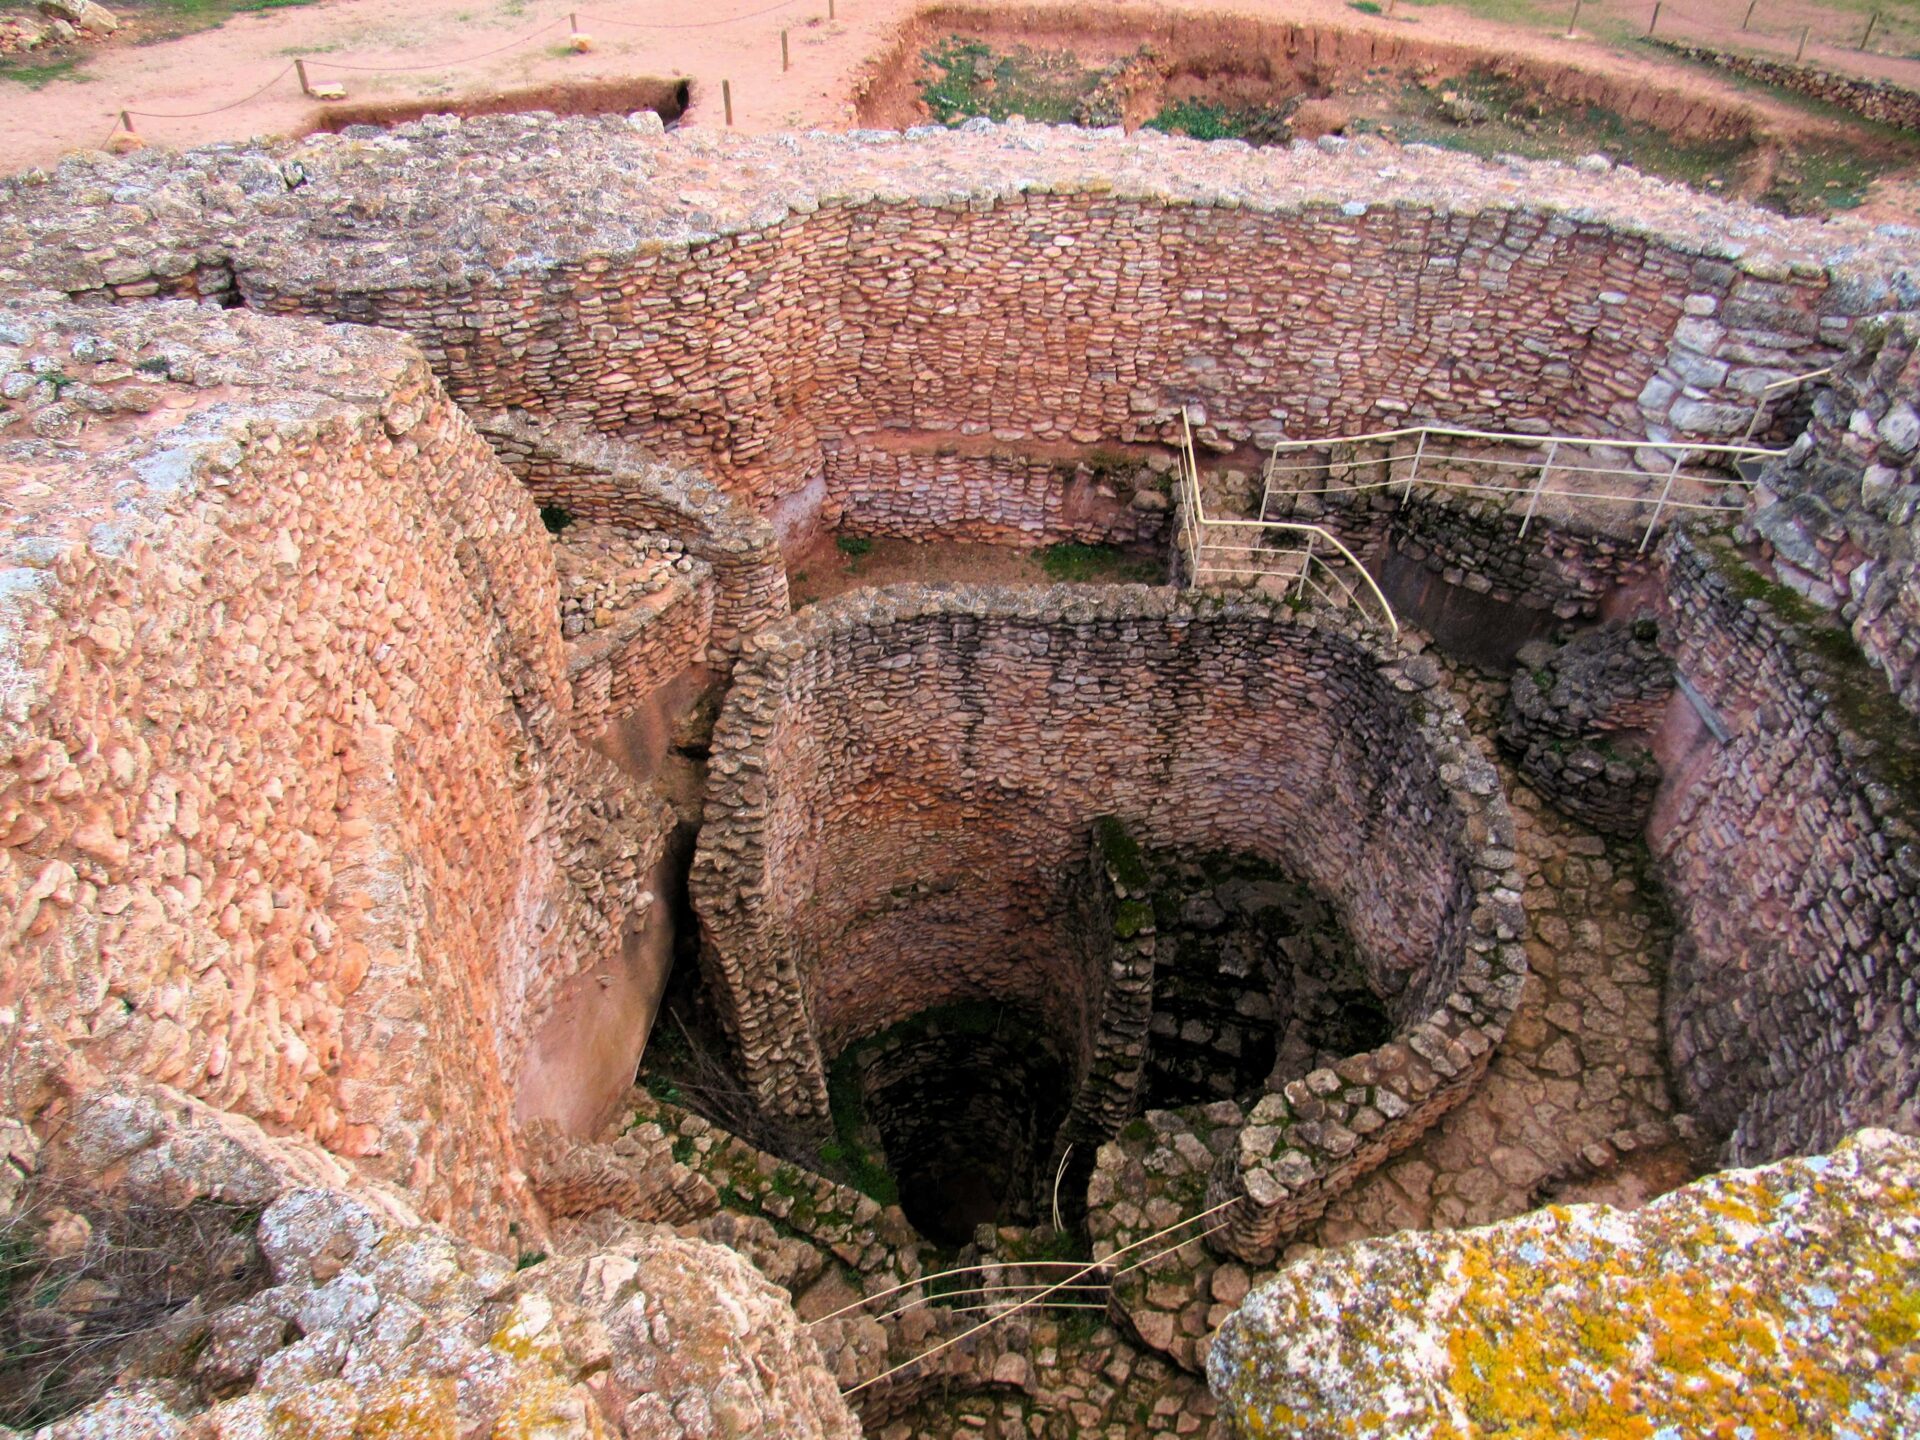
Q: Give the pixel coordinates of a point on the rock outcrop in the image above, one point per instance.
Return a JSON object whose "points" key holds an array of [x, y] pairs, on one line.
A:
{"points": [[1781, 1301]]}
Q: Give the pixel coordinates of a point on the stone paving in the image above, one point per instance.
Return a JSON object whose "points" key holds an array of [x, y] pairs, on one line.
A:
{"points": [[1579, 1083]]}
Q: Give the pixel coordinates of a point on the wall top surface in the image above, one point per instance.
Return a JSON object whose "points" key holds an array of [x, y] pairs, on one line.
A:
{"points": [[446, 202]]}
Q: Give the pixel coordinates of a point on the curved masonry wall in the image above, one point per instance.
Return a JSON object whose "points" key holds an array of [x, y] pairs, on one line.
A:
{"points": [[905, 781], [1040, 287], [293, 819], [1794, 861]]}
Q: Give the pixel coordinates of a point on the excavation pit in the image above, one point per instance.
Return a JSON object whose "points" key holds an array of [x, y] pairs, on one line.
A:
{"points": [[934, 798]]}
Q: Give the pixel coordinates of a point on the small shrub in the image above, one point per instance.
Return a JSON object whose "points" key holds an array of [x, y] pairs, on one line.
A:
{"points": [[854, 547], [556, 518], [1365, 7], [528, 1259]]}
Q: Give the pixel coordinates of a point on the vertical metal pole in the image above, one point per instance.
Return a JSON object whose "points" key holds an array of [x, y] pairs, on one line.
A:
{"points": [[1576, 16], [1656, 18], [1751, 7], [786, 59], [1419, 449], [1804, 30], [829, 9], [1753, 421], [1306, 564], [573, 22], [1538, 485], [726, 98], [300, 69], [1665, 491]]}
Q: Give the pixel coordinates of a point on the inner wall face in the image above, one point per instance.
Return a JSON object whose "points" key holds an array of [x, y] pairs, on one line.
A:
{"points": [[907, 781]]}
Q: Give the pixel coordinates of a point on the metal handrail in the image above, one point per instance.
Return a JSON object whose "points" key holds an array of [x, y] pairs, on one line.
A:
{"points": [[1197, 519], [1680, 452]]}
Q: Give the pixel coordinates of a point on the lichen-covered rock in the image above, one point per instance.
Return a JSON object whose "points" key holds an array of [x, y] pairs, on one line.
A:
{"points": [[1767, 1303]]}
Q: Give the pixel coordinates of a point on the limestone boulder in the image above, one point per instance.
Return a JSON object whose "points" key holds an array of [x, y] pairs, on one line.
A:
{"points": [[85, 15], [1774, 1301]]}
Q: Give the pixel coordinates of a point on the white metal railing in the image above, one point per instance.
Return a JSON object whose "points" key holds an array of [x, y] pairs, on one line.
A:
{"points": [[1310, 558], [1543, 467]]}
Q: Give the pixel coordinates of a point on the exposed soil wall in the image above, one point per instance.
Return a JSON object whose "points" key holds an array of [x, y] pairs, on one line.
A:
{"points": [[1241, 60]]}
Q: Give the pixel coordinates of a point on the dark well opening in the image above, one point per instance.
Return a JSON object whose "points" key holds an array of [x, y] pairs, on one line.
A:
{"points": [[962, 1102], [1255, 981]]}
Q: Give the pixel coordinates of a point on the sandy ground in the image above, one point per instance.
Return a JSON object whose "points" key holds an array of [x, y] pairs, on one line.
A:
{"points": [[445, 48]]}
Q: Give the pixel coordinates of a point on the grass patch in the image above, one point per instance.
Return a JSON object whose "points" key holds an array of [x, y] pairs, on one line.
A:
{"points": [[854, 547], [1857, 690], [1044, 86], [38, 77], [848, 1152], [1198, 120], [1365, 7], [1073, 562]]}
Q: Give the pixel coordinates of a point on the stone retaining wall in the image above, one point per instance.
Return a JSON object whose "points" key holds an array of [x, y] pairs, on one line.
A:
{"points": [[597, 479], [1841, 516], [1881, 100], [903, 782], [1793, 861], [1578, 721], [294, 819], [759, 304]]}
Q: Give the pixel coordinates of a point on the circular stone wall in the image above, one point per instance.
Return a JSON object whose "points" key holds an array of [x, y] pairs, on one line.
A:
{"points": [[906, 785]]}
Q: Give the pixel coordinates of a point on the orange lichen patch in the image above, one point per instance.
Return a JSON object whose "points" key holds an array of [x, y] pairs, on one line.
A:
{"points": [[418, 1409], [1766, 1304]]}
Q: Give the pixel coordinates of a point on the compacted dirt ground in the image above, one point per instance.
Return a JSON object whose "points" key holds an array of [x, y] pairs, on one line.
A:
{"points": [[444, 50]]}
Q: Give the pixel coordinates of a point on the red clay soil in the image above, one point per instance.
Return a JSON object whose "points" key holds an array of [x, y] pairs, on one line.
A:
{"points": [[437, 52], [1238, 60]]}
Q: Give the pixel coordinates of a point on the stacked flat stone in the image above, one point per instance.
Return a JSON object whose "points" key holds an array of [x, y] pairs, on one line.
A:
{"points": [[1886, 101], [606, 572], [1793, 858], [1578, 720]]}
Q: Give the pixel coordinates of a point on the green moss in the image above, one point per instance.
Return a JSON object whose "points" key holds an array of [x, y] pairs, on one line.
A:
{"points": [[1121, 852], [1858, 691], [1075, 563], [1131, 918]]}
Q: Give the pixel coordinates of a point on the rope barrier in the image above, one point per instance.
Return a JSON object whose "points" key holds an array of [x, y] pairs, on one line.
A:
{"points": [[360, 69], [1061, 1285], [196, 114], [437, 64]]}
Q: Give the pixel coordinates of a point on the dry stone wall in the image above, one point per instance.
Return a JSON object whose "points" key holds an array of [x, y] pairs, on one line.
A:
{"points": [[760, 305], [905, 780], [1840, 516], [1881, 100], [1793, 861], [599, 480], [292, 817]]}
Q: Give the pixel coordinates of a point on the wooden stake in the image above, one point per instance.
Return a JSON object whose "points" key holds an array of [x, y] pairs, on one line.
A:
{"points": [[573, 22], [126, 122], [1576, 17], [1656, 17], [1803, 43], [1749, 17], [786, 59], [726, 98], [829, 9], [1872, 20], [300, 69]]}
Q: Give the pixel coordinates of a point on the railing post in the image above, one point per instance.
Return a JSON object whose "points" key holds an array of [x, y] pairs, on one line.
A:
{"points": [[1419, 449], [1665, 491], [1533, 500], [1753, 421], [1306, 564]]}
